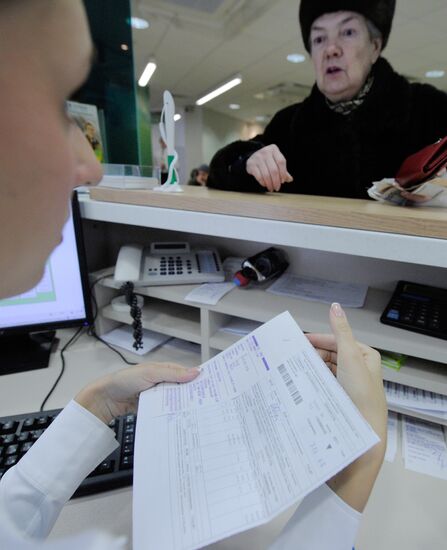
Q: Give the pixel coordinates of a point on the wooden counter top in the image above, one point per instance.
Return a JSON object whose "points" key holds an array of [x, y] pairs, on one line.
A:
{"points": [[328, 211]]}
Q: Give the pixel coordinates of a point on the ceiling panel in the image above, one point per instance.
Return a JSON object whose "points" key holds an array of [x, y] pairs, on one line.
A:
{"points": [[196, 53]]}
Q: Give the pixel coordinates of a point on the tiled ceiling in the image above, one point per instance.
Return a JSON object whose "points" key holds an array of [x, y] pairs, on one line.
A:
{"points": [[197, 47]]}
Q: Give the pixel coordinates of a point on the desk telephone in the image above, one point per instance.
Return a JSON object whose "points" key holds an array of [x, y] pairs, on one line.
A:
{"points": [[168, 263]]}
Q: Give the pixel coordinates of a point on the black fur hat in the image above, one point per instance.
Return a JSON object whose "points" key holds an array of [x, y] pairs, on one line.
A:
{"points": [[379, 12]]}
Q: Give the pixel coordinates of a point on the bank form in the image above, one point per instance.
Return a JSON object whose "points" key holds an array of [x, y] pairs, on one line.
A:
{"points": [[263, 425]]}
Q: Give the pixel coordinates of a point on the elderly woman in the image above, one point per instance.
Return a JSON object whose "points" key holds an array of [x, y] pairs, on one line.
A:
{"points": [[360, 121]]}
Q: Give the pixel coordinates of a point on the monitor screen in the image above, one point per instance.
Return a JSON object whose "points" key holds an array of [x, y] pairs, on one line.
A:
{"points": [[60, 299]]}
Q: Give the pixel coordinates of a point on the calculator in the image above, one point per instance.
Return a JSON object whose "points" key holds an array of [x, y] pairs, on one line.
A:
{"points": [[419, 308]]}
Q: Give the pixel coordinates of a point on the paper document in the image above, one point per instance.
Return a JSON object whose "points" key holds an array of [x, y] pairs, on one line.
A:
{"points": [[424, 447], [123, 338], [209, 293], [237, 325], [320, 290], [264, 424], [414, 398], [391, 444]]}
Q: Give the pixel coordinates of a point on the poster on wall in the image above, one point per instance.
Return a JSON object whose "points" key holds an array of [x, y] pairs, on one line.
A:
{"points": [[86, 116]]}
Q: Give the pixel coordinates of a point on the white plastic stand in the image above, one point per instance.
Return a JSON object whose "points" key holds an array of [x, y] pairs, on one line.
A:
{"points": [[167, 131]]}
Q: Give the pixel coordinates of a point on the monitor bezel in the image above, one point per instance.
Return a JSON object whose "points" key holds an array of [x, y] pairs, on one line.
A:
{"points": [[87, 320]]}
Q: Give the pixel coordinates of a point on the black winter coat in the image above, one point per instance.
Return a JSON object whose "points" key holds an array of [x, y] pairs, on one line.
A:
{"points": [[341, 155]]}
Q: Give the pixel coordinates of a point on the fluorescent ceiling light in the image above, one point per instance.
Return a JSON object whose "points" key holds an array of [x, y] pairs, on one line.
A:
{"points": [[177, 116], [261, 118], [234, 106], [235, 81], [139, 23], [435, 74], [296, 58], [147, 74]]}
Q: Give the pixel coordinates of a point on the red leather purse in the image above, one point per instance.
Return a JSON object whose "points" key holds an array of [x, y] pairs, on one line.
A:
{"points": [[423, 165]]}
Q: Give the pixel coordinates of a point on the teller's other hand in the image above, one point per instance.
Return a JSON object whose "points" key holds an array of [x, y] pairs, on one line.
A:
{"points": [[117, 393]]}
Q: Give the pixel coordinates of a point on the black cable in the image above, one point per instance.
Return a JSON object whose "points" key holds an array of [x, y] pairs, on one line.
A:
{"points": [[93, 333], [138, 332], [135, 313], [72, 339]]}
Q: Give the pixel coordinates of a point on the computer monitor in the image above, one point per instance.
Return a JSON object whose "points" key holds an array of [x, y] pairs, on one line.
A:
{"points": [[61, 299]]}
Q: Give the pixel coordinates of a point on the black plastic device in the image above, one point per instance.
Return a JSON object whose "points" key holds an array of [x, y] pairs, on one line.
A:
{"points": [[419, 308]]}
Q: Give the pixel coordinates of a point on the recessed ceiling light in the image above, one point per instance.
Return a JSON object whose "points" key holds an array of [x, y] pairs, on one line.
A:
{"points": [[124, 47], [234, 106], [259, 95], [261, 118], [296, 58], [139, 23], [177, 116], [435, 74]]}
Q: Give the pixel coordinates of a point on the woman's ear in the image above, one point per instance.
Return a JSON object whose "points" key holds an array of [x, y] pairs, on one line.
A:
{"points": [[377, 49]]}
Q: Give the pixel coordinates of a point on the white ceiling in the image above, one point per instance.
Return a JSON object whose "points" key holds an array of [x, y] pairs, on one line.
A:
{"points": [[200, 43]]}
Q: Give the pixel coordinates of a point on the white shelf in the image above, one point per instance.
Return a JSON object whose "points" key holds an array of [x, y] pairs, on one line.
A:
{"points": [[165, 317], [355, 242], [261, 306], [222, 340], [417, 373]]}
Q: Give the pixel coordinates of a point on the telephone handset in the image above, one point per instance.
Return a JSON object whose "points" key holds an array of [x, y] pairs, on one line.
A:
{"points": [[168, 264]]}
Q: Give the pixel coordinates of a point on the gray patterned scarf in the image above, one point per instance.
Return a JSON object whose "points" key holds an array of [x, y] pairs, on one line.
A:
{"points": [[347, 107]]}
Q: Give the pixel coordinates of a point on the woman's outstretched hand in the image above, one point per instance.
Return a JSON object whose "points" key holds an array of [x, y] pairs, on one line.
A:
{"points": [[269, 167]]}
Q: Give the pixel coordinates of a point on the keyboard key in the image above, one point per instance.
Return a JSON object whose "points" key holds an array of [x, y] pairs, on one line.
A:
{"points": [[12, 450], [29, 424], [128, 438], [128, 449], [8, 427], [35, 434], [43, 422], [127, 462], [26, 447], [8, 439], [10, 461]]}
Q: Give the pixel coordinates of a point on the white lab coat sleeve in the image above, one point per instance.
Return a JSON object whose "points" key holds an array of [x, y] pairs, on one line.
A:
{"points": [[323, 521], [33, 492]]}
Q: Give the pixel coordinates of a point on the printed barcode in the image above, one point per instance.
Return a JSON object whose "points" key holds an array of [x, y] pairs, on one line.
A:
{"points": [[296, 396]]}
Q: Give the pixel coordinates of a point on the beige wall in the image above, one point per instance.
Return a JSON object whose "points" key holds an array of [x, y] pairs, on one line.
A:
{"points": [[205, 132], [219, 130]]}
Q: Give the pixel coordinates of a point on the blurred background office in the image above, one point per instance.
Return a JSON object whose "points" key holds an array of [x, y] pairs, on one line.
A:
{"points": [[192, 47]]}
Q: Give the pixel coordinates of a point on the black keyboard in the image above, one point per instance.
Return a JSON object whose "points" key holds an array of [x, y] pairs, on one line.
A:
{"points": [[19, 432]]}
